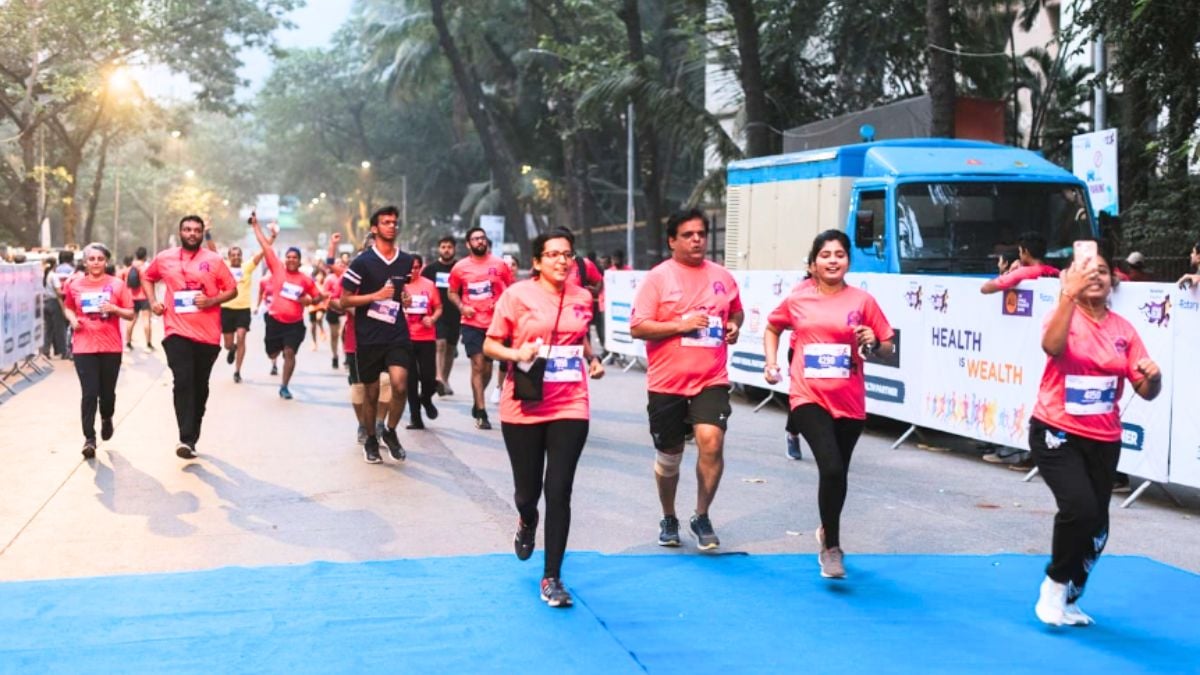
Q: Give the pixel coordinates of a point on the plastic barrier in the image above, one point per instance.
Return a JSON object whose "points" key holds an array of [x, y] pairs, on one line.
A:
{"points": [[20, 318]]}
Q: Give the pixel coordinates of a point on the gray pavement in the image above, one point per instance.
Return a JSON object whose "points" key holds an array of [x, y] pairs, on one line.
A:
{"points": [[283, 482]]}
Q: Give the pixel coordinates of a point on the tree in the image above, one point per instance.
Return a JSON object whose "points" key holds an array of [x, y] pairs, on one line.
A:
{"points": [[941, 68]]}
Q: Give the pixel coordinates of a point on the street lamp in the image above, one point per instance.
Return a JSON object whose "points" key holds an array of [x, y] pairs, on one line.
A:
{"points": [[365, 164], [189, 173], [175, 133]]}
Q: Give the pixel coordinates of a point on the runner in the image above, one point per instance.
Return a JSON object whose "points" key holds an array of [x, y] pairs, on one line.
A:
{"points": [[293, 290], [447, 327], [235, 314], [316, 312], [484, 277], [1075, 431], [374, 287], [357, 393], [795, 444], [1031, 248], [333, 284], [264, 299], [94, 306], [197, 282], [545, 317], [688, 311], [422, 314], [141, 306], [833, 326]]}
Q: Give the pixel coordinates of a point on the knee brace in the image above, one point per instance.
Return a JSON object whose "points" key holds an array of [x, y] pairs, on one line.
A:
{"points": [[358, 394], [666, 465], [385, 388]]}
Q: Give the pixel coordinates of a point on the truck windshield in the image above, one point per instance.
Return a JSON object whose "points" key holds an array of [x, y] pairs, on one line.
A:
{"points": [[961, 227]]}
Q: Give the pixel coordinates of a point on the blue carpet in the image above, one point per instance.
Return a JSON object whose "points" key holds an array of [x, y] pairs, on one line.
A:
{"points": [[660, 613]]}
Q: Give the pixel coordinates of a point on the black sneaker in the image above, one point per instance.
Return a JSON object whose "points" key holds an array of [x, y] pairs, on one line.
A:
{"points": [[274, 369], [706, 539], [440, 388], [555, 594], [335, 363], [431, 410], [668, 531], [89, 449], [230, 357], [185, 451], [371, 450], [129, 346], [523, 542], [481, 420], [237, 377], [106, 429], [415, 425], [393, 444]]}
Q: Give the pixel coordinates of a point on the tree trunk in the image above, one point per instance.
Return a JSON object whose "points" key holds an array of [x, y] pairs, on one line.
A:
{"points": [[757, 129], [575, 172], [94, 196], [941, 68], [27, 227], [499, 155], [647, 140]]}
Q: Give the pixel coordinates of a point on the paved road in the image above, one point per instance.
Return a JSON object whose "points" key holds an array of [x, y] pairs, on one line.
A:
{"points": [[283, 482]]}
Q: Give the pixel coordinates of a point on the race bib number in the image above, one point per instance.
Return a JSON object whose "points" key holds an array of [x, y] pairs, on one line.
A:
{"points": [[384, 310], [713, 336], [827, 361], [1091, 394], [442, 279], [291, 291], [185, 302], [479, 290], [564, 363], [238, 273], [420, 304], [90, 302]]}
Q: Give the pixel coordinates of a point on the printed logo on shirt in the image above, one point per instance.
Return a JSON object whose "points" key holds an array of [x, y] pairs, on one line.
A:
{"points": [[854, 318], [1017, 302], [718, 288], [582, 313], [205, 267], [1121, 345]]}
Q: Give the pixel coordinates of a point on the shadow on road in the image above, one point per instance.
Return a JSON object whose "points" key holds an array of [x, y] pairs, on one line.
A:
{"points": [[146, 497]]}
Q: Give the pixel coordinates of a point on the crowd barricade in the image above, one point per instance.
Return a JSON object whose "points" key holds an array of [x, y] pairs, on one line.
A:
{"points": [[21, 325], [970, 364]]}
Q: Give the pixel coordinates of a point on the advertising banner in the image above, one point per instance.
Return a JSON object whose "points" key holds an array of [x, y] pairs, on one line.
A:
{"points": [[1185, 404], [893, 382], [20, 322], [761, 293], [493, 227], [1094, 161], [619, 291]]}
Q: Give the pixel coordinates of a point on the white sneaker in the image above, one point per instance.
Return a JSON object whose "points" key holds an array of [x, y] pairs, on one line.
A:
{"points": [[1073, 616], [1052, 603], [496, 395]]}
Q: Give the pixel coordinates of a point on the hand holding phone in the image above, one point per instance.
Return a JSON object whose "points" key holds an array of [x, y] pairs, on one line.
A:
{"points": [[253, 219], [1085, 250]]}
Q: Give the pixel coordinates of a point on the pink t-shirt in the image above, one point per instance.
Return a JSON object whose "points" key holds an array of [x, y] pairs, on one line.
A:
{"points": [[137, 293], [349, 338], [332, 287], [186, 276], [287, 288], [526, 312], [425, 301], [1081, 387], [591, 273], [264, 290], [96, 334], [827, 369], [1009, 279], [685, 364], [479, 284]]}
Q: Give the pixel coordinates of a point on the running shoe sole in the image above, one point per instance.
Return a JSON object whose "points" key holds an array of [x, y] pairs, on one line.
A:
{"points": [[185, 451]]}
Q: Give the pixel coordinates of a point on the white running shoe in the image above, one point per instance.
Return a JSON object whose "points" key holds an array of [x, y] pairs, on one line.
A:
{"points": [[1073, 616], [1051, 606], [496, 395]]}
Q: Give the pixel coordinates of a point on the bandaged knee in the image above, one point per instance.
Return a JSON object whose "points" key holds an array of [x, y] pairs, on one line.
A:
{"points": [[667, 465], [385, 388], [358, 394]]}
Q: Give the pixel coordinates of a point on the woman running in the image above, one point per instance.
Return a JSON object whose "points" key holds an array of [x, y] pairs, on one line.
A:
{"points": [[1075, 431], [94, 305], [833, 326], [316, 312], [548, 318]]}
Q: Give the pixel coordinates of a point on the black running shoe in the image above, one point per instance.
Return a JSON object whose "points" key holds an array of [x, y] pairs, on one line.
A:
{"points": [[524, 540], [229, 357], [274, 369], [431, 410], [185, 451], [439, 388], [555, 594], [371, 450], [668, 531], [416, 425], [706, 539], [335, 363], [237, 377], [89, 448], [106, 428], [393, 444], [481, 420]]}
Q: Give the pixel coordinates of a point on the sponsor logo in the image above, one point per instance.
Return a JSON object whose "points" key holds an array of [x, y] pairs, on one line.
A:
{"points": [[1017, 302], [941, 301], [854, 318], [883, 389], [622, 336], [1190, 305], [1157, 313], [718, 288], [1132, 437], [913, 297], [748, 361], [1121, 345]]}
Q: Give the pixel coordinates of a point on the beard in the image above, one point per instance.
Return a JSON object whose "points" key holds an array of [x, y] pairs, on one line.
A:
{"points": [[190, 247], [478, 251]]}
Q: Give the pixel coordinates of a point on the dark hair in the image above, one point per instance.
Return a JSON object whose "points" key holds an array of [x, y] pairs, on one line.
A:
{"points": [[1196, 247], [385, 211], [1008, 255], [194, 219], [66, 256], [234, 248], [140, 253], [296, 249], [1034, 243], [128, 260], [824, 238], [449, 239], [680, 217], [539, 242], [619, 254], [419, 259], [475, 229]]}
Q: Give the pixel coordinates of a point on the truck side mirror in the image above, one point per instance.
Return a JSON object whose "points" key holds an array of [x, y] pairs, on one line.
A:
{"points": [[864, 228]]}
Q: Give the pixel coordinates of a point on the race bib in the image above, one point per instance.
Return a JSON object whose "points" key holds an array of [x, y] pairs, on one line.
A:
{"points": [[479, 290], [442, 279], [713, 336], [383, 310], [420, 304], [185, 302], [291, 291], [1091, 394], [90, 302], [238, 273], [564, 363], [827, 361]]}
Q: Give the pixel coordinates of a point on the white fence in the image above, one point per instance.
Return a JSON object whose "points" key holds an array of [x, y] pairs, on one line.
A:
{"points": [[970, 364]]}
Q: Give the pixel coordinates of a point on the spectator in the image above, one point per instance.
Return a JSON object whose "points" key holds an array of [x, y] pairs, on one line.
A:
{"points": [[1137, 267], [1193, 279], [1031, 248]]}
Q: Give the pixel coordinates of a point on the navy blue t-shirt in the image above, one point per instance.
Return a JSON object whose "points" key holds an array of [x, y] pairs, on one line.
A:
{"points": [[380, 322]]}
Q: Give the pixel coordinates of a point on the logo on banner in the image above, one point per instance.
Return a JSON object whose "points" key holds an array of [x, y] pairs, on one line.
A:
{"points": [[1017, 302], [883, 389], [748, 361], [1190, 305], [913, 297], [1133, 437], [1157, 313], [941, 301]]}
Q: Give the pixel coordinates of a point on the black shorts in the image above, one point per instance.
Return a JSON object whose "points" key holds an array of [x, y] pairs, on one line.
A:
{"points": [[472, 339], [316, 317], [141, 305], [372, 360], [333, 318], [672, 416], [352, 368], [281, 335], [448, 331], [233, 319]]}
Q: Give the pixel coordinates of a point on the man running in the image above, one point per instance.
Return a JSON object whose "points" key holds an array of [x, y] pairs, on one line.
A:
{"points": [[141, 305], [688, 310], [197, 282], [235, 314], [447, 326], [333, 282], [293, 291], [476, 282], [373, 287]]}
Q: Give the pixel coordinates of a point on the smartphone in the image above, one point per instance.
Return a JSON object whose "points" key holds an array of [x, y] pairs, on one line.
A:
{"points": [[250, 220], [398, 287], [1084, 250]]}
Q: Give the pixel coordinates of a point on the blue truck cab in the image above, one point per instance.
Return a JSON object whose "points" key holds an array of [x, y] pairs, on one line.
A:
{"points": [[909, 206]]}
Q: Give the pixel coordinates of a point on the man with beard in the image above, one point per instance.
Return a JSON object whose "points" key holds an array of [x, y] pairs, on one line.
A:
{"points": [[197, 282], [293, 291], [447, 326]]}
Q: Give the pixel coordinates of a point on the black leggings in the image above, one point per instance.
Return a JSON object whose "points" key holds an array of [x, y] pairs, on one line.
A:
{"points": [[832, 442], [556, 446], [98, 380], [423, 370], [191, 363]]}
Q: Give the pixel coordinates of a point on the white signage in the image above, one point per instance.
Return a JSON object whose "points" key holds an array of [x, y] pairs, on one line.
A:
{"points": [[1094, 161]]}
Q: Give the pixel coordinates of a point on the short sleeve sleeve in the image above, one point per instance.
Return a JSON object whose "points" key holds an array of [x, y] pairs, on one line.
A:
{"points": [[781, 316], [1137, 352], [878, 323], [352, 279], [501, 328], [645, 302]]}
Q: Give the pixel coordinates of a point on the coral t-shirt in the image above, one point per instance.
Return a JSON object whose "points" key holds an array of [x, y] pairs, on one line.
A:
{"points": [[332, 288], [479, 284], [287, 288], [1081, 387], [425, 302], [96, 333], [1023, 273], [349, 339], [827, 369], [186, 276], [527, 311], [686, 364], [264, 290], [136, 292]]}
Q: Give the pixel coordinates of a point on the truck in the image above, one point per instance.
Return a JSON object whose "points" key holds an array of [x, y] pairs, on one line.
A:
{"points": [[909, 206]]}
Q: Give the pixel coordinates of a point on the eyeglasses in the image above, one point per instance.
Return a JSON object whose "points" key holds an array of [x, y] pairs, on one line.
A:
{"points": [[555, 255]]}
